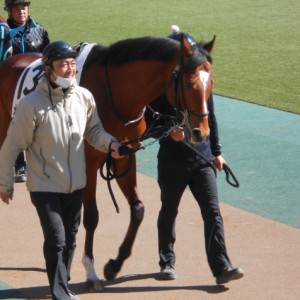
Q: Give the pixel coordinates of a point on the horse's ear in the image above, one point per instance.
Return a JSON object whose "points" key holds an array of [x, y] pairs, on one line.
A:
{"points": [[210, 45], [186, 47]]}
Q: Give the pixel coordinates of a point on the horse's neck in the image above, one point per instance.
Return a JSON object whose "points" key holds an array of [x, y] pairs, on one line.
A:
{"points": [[142, 82]]}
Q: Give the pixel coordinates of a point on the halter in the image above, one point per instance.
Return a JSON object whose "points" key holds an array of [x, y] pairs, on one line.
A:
{"points": [[194, 61]]}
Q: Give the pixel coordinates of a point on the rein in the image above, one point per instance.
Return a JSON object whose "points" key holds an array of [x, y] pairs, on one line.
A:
{"points": [[111, 173], [109, 164]]}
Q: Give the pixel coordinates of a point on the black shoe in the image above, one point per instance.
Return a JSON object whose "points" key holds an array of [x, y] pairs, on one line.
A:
{"points": [[230, 274], [21, 175]]}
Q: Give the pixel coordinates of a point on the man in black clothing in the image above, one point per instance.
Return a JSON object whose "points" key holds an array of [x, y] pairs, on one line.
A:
{"points": [[179, 167]]}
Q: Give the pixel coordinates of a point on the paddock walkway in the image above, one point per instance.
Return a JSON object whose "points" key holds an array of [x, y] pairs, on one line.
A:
{"points": [[267, 250]]}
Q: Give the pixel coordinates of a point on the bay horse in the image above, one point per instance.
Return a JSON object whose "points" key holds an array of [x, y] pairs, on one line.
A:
{"points": [[125, 77], [5, 42]]}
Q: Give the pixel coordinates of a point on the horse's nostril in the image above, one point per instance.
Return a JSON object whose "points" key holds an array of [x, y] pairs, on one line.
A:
{"points": [[197, 135]]}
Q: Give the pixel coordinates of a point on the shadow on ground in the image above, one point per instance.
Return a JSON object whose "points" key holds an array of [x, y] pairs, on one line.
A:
{"points": [[42, 292]]}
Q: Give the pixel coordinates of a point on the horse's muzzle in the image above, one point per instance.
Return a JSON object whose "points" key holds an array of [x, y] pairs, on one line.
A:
{"points": [[197, 136]]}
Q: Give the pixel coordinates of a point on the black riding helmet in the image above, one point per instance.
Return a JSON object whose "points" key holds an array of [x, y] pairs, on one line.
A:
{"points": [[58, 50], [10, 3]]}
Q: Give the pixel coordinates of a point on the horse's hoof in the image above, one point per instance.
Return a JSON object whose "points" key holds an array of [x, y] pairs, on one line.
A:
{"points": [[94, 285], [109, 271]]}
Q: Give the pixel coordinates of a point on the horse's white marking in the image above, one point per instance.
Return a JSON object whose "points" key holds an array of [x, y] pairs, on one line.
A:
{"points": [[204, 76], [31, 75], [91, 273]]}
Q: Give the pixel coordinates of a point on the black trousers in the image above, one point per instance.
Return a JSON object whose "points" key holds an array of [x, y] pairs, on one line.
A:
{"points": [[60, 216], [20, 161], [173, 178]]}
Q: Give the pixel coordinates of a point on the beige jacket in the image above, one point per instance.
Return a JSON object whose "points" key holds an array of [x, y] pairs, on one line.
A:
{"points": [[53, 137]]}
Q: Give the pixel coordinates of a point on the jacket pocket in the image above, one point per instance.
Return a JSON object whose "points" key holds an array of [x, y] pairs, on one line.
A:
{"points": [[44, 163]]}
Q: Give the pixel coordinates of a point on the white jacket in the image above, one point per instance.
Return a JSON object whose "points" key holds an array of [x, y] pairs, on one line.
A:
{"points": [[53, 137]]}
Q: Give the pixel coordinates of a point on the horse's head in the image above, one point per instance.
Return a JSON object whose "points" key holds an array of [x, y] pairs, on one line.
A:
{"points": [[192, 84]]}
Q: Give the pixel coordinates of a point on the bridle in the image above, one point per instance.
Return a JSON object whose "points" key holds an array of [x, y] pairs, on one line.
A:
{"points": [[196, 59]]}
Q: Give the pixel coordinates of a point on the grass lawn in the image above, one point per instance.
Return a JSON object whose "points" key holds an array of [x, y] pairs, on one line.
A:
{"points": [[256, 56]]}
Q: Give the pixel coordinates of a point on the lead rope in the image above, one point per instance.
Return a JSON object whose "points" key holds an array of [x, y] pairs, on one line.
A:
{"points": [[108, 169], [235, 183], [110, 164], [111, 172]]}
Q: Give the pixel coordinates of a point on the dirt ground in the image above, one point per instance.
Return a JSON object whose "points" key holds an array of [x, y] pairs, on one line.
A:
{"points": [[267, 250]]}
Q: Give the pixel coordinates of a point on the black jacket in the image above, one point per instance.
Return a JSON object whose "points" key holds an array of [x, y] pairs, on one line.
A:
{"points": [[32, 37], [171, 150]]}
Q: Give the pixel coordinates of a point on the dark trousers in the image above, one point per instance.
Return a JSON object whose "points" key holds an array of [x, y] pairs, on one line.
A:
{"points": [[60, 218], [173, 178], [20, 162]]}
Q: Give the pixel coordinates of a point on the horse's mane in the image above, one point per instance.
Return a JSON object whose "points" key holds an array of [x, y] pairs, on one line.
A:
{"points": [[143, 48]]}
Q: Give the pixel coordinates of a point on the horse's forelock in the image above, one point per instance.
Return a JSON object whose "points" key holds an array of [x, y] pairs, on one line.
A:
{"points": [[144, 48]]}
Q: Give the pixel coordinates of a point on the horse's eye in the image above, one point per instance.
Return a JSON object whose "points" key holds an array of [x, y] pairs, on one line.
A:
{"points": [[188, 84]]}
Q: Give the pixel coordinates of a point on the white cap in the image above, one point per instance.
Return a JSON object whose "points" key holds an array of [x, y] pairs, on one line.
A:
{"points": [[174, 29]]}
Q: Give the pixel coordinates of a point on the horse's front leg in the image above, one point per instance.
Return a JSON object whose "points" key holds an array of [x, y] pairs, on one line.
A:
{"points": [[90, 222], [128, 186]]}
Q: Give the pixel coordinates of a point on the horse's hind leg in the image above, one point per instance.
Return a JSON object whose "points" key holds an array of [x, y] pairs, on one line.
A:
{"points": [[128, 187]]}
